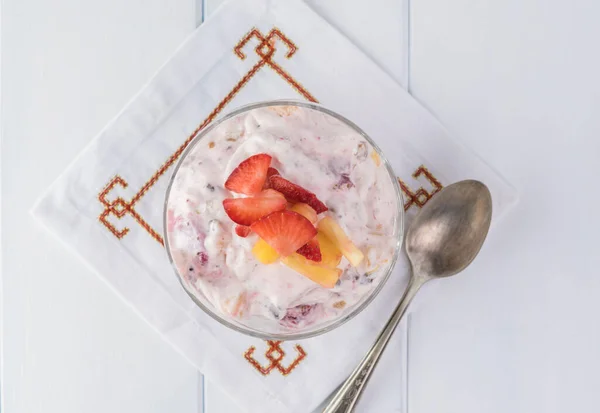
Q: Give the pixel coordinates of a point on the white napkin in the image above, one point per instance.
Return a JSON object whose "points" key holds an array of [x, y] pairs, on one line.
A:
{"points": [[107, 206]]}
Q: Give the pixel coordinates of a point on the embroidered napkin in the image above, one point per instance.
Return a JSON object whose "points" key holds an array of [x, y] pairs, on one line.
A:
{"points": [[107, 206]]}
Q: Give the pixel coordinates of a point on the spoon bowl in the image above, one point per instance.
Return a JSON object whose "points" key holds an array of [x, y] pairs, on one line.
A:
{"points": [[448, 233]]}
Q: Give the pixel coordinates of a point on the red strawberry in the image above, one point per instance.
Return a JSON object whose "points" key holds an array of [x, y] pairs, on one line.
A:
{"points": [[311, 250], [242, 231], [295, 193], [270, 173], [250, 176], [245, 211], [285, 231]]}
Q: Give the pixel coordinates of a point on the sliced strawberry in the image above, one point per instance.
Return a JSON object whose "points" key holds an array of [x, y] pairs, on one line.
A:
{"points": [[311, 250], [271, 193], [246, 211], [285, 231], [270, 173], [242, 231], [295, 193], [250, 176]]}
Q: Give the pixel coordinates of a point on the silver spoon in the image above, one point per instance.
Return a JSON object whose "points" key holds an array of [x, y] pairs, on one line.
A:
{"points": [[442, 241]]}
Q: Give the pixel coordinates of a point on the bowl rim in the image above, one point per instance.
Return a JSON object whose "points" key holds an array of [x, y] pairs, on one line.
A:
{"points": [[398, 223]]}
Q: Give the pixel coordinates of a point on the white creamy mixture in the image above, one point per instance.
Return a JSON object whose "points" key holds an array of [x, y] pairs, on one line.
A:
{"points": [[313, 150]]}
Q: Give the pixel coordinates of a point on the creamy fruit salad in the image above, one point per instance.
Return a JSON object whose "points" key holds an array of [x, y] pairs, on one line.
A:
{"points": [[282, 218]]}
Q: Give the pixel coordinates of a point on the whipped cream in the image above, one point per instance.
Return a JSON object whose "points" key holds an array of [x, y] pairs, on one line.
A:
{"points": [[314, 150]]}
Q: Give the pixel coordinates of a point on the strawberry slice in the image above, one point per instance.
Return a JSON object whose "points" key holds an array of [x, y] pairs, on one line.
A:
{"points": [[270, 173], [311, 250], [285, 231], [250, 176], [295, 193], [246, 211], [242, 231]]}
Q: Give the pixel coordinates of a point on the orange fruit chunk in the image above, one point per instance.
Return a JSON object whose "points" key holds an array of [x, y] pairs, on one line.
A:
{"points": [[327, 277], [264, 252], [338, 237]]}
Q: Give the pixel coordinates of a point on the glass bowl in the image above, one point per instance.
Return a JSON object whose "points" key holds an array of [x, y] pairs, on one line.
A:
{"points": [[311, 330]]}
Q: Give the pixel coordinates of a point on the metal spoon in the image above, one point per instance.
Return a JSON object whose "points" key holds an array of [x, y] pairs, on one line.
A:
{"points": [[442, 241]]}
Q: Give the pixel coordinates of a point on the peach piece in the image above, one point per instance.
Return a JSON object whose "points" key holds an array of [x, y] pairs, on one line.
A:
{"points": [[336, 234], [327, 277], [306, 211], [264, 252], [330, 254]]}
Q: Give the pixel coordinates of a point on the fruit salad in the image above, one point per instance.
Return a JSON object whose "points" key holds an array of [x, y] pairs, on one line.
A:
{"points": [[282, 218]]}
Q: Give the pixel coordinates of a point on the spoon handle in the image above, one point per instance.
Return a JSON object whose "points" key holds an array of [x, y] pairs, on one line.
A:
{"points": [[348, 394]]}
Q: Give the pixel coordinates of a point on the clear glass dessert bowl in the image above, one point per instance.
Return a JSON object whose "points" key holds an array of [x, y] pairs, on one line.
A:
{"points": [[229, 240]]}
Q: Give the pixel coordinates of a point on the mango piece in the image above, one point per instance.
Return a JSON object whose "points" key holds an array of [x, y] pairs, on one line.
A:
{"points": [[306, 211], [327, 277], [336, 234], [330, 254], [264, 252]]}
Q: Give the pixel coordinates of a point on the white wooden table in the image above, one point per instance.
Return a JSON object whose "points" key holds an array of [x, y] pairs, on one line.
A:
{"points": [[516, 80]]}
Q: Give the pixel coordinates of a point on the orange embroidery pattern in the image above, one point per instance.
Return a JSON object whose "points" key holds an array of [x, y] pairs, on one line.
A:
{"points": [[275, 355], [421, 195], [265, 50], [119, 207]]}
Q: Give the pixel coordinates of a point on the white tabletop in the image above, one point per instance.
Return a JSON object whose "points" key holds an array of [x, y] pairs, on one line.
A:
{"points": [[516, 80]]}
